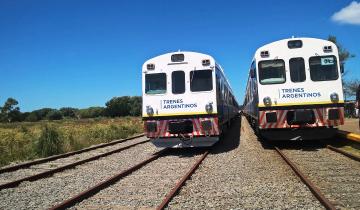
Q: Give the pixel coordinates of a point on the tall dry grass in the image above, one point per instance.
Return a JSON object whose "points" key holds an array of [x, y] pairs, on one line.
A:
{"points": [[26, 141]]}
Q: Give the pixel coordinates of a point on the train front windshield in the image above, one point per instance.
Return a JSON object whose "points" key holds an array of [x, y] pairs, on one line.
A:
{"points": [[201, 80], [323, 68], [272, 72], [155, 83]]}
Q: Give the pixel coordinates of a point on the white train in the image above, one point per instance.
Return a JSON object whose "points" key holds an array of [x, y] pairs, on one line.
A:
{"points": [[187, 100], [294, 90]]}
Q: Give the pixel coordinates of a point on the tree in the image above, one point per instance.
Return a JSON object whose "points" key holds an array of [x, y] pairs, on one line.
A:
{"points": [[344, 54], [136, 105], [118, 106], [32, 117], [42, 113], [54, 115], [350, 88], [91, 112], [10, 112], [68, 112]]}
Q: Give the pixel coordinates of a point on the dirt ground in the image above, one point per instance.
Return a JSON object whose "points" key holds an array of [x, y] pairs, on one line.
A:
{"points": [[351, 125]]}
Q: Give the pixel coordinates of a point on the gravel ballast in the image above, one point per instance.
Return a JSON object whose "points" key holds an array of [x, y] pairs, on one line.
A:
{"points": [[336, 175], [146, 187], [44, 193], [241, 174]]}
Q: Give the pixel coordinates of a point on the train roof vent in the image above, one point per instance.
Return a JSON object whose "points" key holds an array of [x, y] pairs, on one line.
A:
{"points": [[327, 49], [264, 54], [177, 57], [150, 66]]}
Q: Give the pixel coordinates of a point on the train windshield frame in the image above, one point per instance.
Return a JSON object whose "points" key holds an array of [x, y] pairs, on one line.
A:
{"points": [[155, 83], [201, 80], [178, 82], [272, 72], [323, 68]]}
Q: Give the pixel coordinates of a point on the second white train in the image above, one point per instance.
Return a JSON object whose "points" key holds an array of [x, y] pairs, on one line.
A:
{"points": [[294, 90]]}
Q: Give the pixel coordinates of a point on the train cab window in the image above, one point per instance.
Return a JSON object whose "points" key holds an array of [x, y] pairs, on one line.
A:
{"points": [[155, 83], [178, 82], [323, 68], [272, 72], [297, 69], [201, 80]]}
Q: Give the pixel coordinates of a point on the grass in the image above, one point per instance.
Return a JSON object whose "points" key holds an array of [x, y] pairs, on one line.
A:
{"points": [[26, 140]]}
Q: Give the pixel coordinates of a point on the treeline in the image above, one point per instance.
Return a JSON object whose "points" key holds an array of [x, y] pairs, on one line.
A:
{"points": [[116, 107]]}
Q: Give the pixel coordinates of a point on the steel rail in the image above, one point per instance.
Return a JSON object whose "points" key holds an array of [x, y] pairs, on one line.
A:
{"points": [[62, 168], [347, 154], [316, 192], [178, 186], [104, 184], [55, 157]]}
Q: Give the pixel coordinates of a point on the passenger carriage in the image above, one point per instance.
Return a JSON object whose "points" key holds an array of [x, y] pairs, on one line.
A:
{"points": [[187, 100], [294, 90]]}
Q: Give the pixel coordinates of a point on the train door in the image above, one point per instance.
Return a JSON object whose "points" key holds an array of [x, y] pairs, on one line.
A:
{"points": [[219, 97]]}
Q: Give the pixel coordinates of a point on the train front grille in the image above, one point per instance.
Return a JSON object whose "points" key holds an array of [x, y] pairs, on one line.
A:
{"points": [[300, 117], [180, 127]]}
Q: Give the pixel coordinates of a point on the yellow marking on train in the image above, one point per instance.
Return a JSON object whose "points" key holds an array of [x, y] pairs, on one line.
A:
{"points": [[177, 114], [349, 136], [303, 103]]}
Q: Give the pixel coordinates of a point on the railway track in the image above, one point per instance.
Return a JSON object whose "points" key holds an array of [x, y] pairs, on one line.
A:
{"points": [[55, 157], [47, 166], [46, 192], [328, 172], [97, 200]]}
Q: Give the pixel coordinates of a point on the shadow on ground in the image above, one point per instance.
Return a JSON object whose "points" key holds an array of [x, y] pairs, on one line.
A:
{"points": [[231, 138], [228, 141]]}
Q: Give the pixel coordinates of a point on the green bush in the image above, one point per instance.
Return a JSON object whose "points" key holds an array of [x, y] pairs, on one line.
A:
{"points": [[50, 142]]}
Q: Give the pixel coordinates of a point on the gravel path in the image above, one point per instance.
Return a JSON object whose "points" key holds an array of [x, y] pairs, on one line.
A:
{"points": [[241, 174], [148, 186], [38, 168], [337, 176], [45, 193]]}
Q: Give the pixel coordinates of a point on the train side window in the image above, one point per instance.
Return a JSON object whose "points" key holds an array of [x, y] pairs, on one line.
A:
{"points": [[155, 83], [253, 70], [201, 80], [178, 82], [297, 69], [323, 68], [272, 72]]}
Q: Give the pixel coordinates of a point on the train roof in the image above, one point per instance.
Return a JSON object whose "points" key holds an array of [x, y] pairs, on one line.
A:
{"points": [[166, 58], [312, 45]]}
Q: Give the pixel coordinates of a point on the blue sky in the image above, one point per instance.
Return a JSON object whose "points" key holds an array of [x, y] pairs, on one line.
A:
{"points": [[81, 53]]}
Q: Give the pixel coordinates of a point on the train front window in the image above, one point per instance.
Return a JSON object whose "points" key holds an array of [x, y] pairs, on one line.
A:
{"points": [[201, 80], [178, 82], [323, 68], [297, 69], [272, 72], [155, 83]]}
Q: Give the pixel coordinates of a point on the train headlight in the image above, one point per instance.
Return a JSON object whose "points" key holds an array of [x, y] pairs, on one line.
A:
{"points": [[149, 110], [334, 97], [209, 107], [267, 101]]}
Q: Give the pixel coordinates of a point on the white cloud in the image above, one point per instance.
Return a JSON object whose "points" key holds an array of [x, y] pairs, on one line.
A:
{"points": [[349, 14]]}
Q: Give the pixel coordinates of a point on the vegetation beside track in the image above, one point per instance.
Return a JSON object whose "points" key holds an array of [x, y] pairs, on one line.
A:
{"points": [[29, 140]]}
